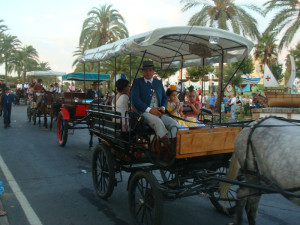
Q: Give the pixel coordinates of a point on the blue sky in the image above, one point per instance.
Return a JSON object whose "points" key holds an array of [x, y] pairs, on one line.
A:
{"points": [[53, 27]]}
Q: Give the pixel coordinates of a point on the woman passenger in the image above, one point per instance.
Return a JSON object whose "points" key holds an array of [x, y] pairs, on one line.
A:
{"points": [[121, 100]]}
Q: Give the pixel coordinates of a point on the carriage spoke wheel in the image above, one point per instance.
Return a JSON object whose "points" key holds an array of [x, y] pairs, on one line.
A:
{"points": [[228, 204], [29, 114], [145, 199], [103, 171], [62, 130]]}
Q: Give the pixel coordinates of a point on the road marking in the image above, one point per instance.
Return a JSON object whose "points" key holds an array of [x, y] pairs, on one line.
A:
{"points": [[32, 218]]}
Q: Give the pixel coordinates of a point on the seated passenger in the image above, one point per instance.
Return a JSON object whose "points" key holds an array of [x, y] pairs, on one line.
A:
{"points": [[149, 99], [174, 106], [94, 92], [121, 100], [195, 106]]}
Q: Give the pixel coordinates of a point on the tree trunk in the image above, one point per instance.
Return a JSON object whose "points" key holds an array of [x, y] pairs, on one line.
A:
{"points": [[24, 75]]}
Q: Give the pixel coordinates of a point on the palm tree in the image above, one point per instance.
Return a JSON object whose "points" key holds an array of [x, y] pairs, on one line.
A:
{"points": [[30, 59], [103, 25], [287, 18], [2, 27], [8, 46], [266, 49], [43, 66], [25, 59], [223, 14]]}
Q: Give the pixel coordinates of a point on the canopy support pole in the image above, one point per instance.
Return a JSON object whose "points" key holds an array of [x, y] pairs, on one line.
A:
{"points": [[221, 87]]}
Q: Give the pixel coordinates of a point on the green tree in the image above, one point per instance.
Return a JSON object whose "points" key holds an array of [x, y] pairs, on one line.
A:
{"points": [[276, 69], [197, 72], [43, 66], [287, 19], [2, 27], [236, 80], [103, 25], [224, 14], [8, 46], [246, 68], [266, 49]]}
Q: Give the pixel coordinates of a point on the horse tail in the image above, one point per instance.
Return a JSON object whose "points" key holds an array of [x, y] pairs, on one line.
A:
{"points": [[231, 174]]}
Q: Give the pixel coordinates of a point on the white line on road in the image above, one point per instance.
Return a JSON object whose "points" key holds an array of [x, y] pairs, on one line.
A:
{"points": [[28, 210]]}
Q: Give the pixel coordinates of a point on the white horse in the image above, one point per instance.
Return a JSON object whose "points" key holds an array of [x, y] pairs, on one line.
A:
{"points": [[270, 148]]}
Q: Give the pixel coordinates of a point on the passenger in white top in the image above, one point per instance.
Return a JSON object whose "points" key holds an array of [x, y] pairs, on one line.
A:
{"points": [[121, 100]]}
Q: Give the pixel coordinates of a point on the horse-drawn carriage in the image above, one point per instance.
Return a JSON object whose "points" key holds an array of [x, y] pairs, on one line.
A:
{"points": [[50, 102], [73, 113], [201, 156]]}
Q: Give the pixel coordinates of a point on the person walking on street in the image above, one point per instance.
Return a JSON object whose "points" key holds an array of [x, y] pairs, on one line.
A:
{"points": [[233, 107], [6, 101]]}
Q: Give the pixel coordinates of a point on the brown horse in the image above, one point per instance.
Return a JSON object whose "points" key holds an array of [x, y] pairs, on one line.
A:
{"points": [[45, 107]]}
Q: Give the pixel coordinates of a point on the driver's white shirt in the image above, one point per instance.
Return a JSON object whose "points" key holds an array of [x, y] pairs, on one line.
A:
{"points": [[19, 86]]}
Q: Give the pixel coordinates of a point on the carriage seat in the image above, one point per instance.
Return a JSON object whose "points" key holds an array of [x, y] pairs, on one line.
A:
{"points": [[70, 99]]}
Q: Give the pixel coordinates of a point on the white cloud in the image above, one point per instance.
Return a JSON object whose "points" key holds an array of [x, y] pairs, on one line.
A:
{"points": [[29, 19]]}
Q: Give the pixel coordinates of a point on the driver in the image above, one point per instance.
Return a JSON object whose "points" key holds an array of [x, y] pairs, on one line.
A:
{"points": [[38, 91], [149, 99]]}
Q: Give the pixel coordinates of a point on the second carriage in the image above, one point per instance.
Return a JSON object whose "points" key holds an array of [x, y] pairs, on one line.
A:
{"points": [[74, 105]]}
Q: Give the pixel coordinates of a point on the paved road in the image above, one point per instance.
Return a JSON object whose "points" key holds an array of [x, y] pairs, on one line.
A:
{"points": [[51, 180]]}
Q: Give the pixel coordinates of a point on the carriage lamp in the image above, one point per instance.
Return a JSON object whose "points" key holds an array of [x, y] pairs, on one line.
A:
{"points": [[213, 40], [76, 100]]}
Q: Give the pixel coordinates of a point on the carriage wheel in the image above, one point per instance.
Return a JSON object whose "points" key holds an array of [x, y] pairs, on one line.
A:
{"points": [[227, 205], [34, 112], [62, 130], [29, 114], [145, 199], [103, 171]]}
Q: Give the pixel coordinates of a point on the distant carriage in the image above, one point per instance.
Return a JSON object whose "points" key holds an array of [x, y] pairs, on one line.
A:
{"points": [[74, 106]]}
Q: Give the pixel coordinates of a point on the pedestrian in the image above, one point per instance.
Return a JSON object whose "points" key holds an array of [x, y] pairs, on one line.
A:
{"points": [[6, 101], [212, 102], [225, 100], [233, 107], [213, 88]]}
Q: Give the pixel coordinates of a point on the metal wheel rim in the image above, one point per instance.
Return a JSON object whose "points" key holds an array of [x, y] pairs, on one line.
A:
{"points": [[102, 173], [144, 202]]}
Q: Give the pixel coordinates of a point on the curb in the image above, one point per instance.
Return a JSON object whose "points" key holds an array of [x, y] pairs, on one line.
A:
{"points": [[3, 219]]}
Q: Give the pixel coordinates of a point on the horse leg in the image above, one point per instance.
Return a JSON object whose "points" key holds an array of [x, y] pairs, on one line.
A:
{"points": [[252, 209], [45, 119], [39, 115], [91, 141], [51, 119]]}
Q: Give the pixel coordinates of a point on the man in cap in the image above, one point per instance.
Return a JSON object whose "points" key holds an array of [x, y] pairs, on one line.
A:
{"points": [[6, 101], [149, 99], [94, 92]]}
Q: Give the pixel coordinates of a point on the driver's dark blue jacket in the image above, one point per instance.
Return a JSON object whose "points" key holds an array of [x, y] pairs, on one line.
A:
{"points": [[141, 94]]}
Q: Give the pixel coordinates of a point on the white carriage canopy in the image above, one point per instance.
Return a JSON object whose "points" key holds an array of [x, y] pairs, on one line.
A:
{"points": [[45, 73], [176, 47]]}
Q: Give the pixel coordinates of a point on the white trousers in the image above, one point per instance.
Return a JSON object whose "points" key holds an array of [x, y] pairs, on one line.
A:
{"points": [[162, 125]]}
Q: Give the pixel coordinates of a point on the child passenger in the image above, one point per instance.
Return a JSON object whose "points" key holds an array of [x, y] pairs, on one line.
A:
{"points": [[174, 106], [195, 105]]}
